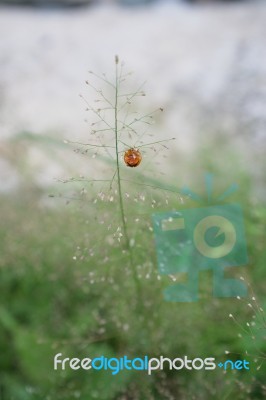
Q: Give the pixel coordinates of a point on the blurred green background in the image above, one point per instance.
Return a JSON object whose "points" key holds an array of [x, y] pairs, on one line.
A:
{"points": [[67, 287], [66, 284]]}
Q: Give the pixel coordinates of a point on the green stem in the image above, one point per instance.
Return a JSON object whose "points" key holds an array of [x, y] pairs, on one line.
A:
{"points": [[120, 193]]}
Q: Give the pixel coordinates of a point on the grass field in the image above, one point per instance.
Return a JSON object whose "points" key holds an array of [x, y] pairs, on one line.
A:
{"points": [[67, 286]]}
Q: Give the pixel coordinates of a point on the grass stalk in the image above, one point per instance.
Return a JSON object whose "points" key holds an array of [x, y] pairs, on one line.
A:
{"points": [[120, 192]]}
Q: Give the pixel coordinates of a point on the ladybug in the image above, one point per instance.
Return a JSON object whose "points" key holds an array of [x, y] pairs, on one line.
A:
{"points": [[132, 157]]}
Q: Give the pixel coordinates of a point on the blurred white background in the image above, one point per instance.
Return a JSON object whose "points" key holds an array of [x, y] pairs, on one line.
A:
{"points": [[204, 63]]}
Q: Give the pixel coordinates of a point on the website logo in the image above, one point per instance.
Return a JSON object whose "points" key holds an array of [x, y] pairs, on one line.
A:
{"points": [[116, 365], [203, 238]]}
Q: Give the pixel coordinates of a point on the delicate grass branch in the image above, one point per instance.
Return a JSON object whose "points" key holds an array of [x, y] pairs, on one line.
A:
{"points": [[120, 194]]}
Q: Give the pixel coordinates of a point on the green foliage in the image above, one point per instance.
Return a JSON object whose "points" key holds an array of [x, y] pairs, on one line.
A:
{"points": [[68, 285], [82, 307]]}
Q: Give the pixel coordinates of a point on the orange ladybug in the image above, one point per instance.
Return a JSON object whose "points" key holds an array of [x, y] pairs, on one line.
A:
{"points": [[132, 157]]}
